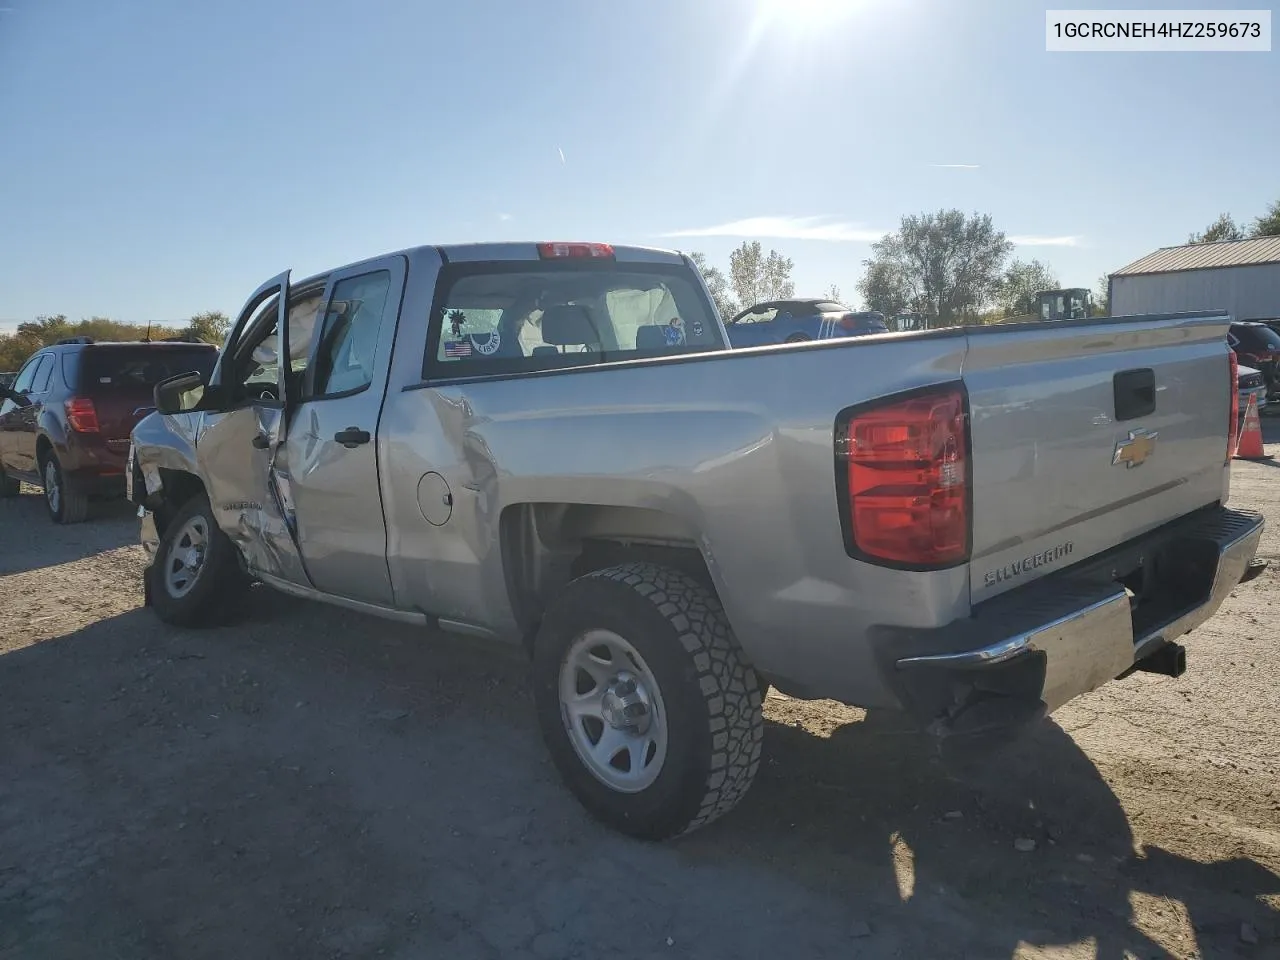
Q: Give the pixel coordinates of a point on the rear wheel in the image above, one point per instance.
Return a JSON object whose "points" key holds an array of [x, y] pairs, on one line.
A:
{"points": [[648, 708], [195, 574], [67, 503]]}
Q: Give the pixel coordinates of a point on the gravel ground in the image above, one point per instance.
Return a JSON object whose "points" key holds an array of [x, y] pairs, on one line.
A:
{"points": [[311, 783]]}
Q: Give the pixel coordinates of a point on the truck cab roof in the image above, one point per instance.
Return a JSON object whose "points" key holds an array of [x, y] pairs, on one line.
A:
{"points": [[528, 250]]}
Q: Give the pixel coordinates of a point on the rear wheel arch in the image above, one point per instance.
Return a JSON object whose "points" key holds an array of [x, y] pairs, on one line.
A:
{"points": [[546, 546]]}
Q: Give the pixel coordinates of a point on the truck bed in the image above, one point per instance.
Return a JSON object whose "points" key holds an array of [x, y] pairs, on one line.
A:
{"points": [[736, 447]]}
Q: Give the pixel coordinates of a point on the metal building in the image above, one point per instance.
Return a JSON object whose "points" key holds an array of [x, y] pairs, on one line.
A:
{"points": [[1239, 276]]}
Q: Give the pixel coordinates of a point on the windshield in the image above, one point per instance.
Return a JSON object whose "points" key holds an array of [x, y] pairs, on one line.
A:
{"points": [[510, 317]]}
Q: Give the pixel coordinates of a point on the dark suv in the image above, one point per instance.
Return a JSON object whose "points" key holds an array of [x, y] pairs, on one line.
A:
{"points": [[65, 420], [1258, 346]]}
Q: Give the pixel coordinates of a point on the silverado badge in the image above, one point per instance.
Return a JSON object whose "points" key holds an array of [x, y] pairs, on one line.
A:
{"points": [[1134, 450], [1025, 565]]}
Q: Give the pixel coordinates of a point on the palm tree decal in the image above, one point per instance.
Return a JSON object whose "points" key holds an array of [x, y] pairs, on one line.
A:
{"points": [[457, 318]]}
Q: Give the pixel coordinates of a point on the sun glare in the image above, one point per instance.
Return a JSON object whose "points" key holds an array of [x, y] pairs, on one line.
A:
{"points": [[805, 12]]}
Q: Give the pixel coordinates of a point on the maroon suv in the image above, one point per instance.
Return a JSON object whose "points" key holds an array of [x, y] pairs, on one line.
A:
{"points": [[65, 420]]}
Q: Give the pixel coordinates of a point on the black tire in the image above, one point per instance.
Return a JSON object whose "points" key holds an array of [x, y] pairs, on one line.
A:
{"points": [[763, 686], [798, 338], [210, 597], [66, 501], [9, 487], [712, 703]]}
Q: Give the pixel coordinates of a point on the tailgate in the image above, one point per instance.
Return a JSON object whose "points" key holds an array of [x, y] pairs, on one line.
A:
{"points": [[120, 379], [1086, 434], [120, 410]]}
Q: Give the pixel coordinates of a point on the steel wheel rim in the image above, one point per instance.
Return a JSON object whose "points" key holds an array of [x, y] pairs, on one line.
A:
{"points": [[185, 558], [52, 490], [612, 711]]}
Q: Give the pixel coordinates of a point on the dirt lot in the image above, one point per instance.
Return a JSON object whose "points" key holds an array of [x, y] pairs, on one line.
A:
{"points": [[310, 783]]}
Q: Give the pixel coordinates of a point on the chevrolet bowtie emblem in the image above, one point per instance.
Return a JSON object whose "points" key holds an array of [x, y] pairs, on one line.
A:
{"points": [[1134, 450]]}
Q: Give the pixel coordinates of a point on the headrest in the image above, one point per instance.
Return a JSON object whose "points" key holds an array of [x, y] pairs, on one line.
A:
{"points": [[568, 325], [650, 337]]}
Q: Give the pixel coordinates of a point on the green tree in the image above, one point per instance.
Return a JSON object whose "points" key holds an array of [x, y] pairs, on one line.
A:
{"points": [[1268, 225], [757, 277], [717, 285], [1224, 228], [208, 327], [15, 348], [1102, 297], [883, 288], [45, 330], [945, 265], [1020, 284]]}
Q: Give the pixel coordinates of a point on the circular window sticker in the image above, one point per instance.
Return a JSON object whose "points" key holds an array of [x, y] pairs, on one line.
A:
{"points": [[490, 347]]}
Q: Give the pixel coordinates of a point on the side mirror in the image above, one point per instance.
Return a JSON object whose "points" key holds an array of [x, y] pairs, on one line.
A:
{"points": [[8, 393], [179, 394]]}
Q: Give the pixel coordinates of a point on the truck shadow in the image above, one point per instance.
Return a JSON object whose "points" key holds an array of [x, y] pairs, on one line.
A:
{"points": [[311, 782], [917, 837], [31, 541]]}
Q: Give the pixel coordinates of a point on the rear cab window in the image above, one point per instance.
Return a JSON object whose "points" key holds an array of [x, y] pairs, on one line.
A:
{"points": [[522, 316]]}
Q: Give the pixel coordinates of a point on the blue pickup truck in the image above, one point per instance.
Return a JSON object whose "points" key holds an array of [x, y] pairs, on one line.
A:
{"points": [[792, 321]]}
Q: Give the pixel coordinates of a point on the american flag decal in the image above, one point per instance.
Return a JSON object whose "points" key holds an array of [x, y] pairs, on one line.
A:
{"points": [[457, 348]]}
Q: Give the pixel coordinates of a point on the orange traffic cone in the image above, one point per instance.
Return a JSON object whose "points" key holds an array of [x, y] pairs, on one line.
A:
{"points": [[1250, 446]]}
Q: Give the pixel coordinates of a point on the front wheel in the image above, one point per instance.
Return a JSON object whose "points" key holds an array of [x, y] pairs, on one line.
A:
{"points": [[195, 573], [645, 701]]}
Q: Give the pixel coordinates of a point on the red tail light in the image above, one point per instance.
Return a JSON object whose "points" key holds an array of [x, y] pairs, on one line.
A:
{"points": [[904, 475], [849, 322], [1233, 427], [82, 416], [585, 251]]}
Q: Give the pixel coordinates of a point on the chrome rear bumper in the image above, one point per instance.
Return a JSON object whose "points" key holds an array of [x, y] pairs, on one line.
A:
{"points": [[1070, 634]]}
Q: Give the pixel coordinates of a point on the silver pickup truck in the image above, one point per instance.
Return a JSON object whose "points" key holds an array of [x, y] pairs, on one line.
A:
{"points": [[551, 445]]}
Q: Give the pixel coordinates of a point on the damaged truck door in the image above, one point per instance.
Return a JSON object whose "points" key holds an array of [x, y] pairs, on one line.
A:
{"points": [[242, 430], [327, 467], [291, 418]]}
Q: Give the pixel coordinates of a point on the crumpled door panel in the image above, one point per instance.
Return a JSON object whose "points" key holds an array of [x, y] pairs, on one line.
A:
{"points": [[250, 497]]}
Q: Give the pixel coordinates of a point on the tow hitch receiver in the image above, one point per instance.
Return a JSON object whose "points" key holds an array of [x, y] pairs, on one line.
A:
{"points": [[1254, 569], [1170, 660]]}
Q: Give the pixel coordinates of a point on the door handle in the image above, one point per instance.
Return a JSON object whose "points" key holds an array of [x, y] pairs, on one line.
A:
{"points": [[261, 442], [352, 437]]}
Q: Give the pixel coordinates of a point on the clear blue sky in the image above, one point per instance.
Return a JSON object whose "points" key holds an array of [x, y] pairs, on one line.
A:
{"points": [[161, 158]]}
